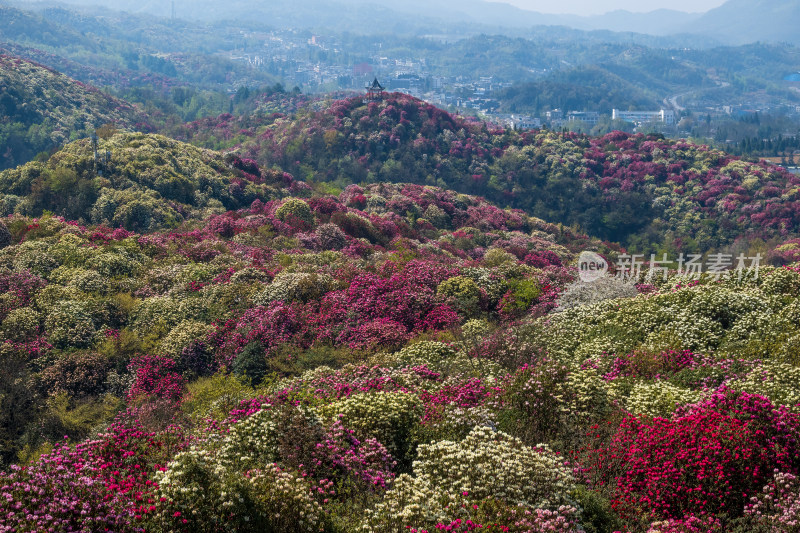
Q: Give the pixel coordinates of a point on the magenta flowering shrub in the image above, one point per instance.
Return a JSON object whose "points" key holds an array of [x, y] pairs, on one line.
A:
{"points": [[689, 524], [652, 366], [778, 505], [18, 288], [341, 455], [374, 334], [786, 253], [101, 484]]}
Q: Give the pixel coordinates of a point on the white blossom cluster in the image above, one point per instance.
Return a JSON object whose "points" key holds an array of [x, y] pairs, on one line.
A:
{"points": [[486, 464], [659, 398], [289, 287], [780, 382], [386, 416], [233, 482]]}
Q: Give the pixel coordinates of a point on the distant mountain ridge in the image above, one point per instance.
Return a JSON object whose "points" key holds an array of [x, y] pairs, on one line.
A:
{"points": [[746, 21], [735, 22]]}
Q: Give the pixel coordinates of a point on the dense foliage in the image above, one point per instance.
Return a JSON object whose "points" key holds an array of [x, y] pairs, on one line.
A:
{"points": [[395, 357], [42, 109], [641, 190], [193, 342], [148, 182]]}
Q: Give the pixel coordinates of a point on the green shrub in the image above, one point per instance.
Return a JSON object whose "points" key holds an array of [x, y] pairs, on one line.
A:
{"points": [[296, 208], [21, 324], [522, 293], [5, 236], [251, 363], [70, 324], [596, 512], [214, 397], [497, 256]]}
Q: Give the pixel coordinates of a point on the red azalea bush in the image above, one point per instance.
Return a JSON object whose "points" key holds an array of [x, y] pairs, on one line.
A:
{"points": [[155, 376], [710, 459], [99, 485]]}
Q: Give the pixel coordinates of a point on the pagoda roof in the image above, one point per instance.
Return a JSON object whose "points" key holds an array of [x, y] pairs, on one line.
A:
{"points": [[376, 86]]}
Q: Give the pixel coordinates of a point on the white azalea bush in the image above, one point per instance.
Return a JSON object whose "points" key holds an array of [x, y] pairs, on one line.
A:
{"points": [[182, 335], [450, 477], [254, 441], [288, 287], [586, 395], [780, 382], [34, 256], [433, 354], [492, 464], [659, 398], [389, 417], [69, 323], [20, 323], [90, 281], [157, 311], [206, 494], [475, 329], [585, 293], [703, 319], [232, 482]]}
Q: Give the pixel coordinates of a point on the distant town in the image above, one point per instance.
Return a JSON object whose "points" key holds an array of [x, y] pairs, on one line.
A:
{"points": [[323, 64]]}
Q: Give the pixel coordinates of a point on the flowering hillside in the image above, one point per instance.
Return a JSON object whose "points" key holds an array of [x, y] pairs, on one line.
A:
{"points": [[149, 182], [643, 191], [193, 342], [398, 357], [42, 109], [228, 130]]}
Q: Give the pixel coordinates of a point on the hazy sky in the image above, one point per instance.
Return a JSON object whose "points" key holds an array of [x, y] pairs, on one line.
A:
{"points": [[594, 7]]}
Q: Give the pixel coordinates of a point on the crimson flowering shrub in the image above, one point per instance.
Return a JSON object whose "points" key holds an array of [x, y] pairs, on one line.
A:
{"points": [[542, 259], [710, 459], [155, 376], [376, 333], [688, 524]]}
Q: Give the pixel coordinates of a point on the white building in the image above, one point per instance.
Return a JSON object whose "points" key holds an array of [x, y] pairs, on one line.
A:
{"points": [[523, 122], [587, 117], [555, 114], [664, 116]]}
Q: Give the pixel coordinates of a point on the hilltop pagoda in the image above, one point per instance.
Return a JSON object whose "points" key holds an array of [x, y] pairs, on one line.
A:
{"points": [[375, 90]]}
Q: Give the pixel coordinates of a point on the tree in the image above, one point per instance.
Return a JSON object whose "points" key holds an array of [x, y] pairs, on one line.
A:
{"points": [[106, 131]]}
